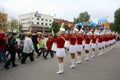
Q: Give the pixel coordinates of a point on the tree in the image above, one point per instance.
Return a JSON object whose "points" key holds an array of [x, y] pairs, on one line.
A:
{"points": [[14, 24], [117, 17], [83, 17], [117, 20], [20, 27], [112, 26], [55, 27]]}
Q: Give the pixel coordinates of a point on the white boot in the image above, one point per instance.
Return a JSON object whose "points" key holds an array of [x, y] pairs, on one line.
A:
{"points": [[93, 54], [106, 50], [103, 51], [86, 57], [78, 60], [73, 63], [60, 68], [100, 53]]}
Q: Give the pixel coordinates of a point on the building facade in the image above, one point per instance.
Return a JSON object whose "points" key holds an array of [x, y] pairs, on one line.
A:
{"points": [[3, 20], [35, 20], [66, 22]]}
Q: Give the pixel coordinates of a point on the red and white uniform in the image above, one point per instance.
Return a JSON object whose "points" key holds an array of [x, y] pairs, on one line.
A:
{"points": [[93, 42], [60, 52], [72, 48], [104, 41], [79, 45], [108, 39], [67, 43], [114, 38], [99, 41], [87, 42]]}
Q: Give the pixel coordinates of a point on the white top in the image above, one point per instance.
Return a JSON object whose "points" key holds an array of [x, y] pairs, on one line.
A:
{"points": [[28, 45]]}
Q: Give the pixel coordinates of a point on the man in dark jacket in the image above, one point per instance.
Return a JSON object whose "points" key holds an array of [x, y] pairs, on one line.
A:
{"points": [[35, 42], [12, 50]]}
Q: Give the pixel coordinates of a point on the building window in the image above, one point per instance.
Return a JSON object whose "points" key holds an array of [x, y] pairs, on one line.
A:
{"points": [[42, 19], [46, 20], [37, 22], [45, 23], [42, 23], [37, 18], [50, 24], [50, 20]]}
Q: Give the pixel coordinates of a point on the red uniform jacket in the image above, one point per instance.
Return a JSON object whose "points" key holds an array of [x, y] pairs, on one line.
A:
{"points": [[66, 37], [94, 39], [60, 42], [100, 39], [104, 38], [87, 40], [72, 40], [49, 44], [79, 39]]}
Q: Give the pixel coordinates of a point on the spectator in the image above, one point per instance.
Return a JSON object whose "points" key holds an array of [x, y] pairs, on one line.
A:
{"points": [[28, 49], [35, 42], [12, 50], [49, 46], [42, 47], [2, 48]]}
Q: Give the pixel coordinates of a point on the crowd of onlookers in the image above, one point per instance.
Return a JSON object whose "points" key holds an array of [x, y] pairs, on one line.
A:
{"points": [[25, 45]]}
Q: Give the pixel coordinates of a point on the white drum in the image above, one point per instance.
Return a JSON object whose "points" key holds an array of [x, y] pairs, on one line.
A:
{"points": [[67, 44], [54, 46]]}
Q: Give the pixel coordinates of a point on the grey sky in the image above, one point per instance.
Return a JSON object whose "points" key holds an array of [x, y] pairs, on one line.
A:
{"points": [[64, 9]]}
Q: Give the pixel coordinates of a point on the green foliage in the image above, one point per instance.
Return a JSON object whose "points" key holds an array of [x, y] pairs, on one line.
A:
{"points": [[117, 17], [83, 17], [112, 26], [55, 27], [20, 27], [14, 24], [116, 25]]}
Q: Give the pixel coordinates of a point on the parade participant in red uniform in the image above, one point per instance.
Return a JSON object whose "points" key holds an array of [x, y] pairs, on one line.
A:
{"points": [[79, 46], [60, 52], [106, 42], [67, 43], [93, 46], [111, 40], [103, 42], [72, 48], [87, 45], [114, 38], [100, 44]]}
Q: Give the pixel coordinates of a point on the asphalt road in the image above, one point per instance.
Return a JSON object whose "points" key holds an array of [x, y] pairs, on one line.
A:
{"points": [[105, 67]]}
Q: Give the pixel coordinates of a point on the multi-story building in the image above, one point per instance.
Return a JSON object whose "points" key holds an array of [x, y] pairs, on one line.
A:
{"points": [[3, 20], [36, 20], [66, 22]]}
